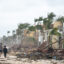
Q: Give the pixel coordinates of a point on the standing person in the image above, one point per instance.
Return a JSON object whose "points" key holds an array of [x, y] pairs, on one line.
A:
{"points": [[0, 49], [5, 51]]}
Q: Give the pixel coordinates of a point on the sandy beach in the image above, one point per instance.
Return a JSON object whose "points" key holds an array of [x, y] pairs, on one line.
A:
{"points": [[15, 60]]}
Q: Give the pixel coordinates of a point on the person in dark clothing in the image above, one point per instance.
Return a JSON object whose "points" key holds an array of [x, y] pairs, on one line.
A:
{"points": [[5, 51], [0, 49]]}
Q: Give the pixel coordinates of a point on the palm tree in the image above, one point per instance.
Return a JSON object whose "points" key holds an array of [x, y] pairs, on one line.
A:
{"points": [[45, 23], [54, 31], [32, 28], [23, 26], [48, 21], [38, 20], [8, 32], [35, 20], [14, 36], [20, 30], [61, 19], [39, 27], [51, 16], [13, 32], [18, 33]]}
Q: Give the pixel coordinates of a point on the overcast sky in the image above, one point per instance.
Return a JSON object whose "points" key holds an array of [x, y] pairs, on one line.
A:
{"points": [[13, 12]]}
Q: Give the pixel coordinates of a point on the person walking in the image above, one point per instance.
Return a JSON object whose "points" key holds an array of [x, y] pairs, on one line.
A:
{"points": [[0, 49], [5, 51]]}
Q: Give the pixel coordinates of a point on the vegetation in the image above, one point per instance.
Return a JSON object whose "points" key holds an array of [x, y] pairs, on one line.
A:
{"points": [[55, 32], [41, 24]]}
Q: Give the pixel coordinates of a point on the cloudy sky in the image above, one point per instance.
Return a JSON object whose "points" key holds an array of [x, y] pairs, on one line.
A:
{"points": [[13, 12]]}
